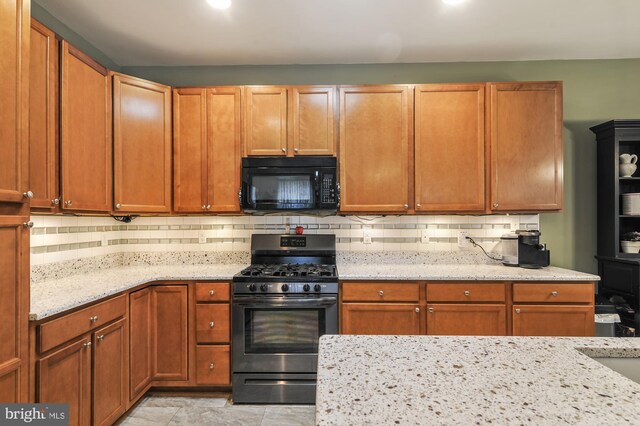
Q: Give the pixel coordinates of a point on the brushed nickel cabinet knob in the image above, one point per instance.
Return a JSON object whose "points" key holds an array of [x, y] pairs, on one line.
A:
{"points": [[211, 366], [418, 310], [118, 205], [55, 201], [212, 324], [100, 338], [406, 206], [28, 224], [495, 205], [381, 293], [27, 194], [418, 205], [212, 292], [430, 310], [517, 311], [554, 293], [284, 150], [295, 149], [467, 293], [68, 203], [87, 345]]}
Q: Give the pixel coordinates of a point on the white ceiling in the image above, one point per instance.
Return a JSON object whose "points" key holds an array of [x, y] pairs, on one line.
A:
{"points": [[190, 32]]}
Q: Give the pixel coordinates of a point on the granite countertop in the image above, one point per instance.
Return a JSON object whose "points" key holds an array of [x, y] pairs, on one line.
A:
{"points": [[55, 296], [434, 272], [473, 380]]}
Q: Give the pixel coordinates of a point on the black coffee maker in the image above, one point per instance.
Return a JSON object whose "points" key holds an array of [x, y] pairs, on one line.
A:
{"points": [[531, 254]]}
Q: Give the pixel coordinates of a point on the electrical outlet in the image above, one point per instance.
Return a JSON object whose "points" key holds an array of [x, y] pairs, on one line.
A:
{"points": [[202, 237], [104, 240], [462, 239], [424, 237], [366, 235]]}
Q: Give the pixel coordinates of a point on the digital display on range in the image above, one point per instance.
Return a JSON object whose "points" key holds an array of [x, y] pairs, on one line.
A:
{"points": [[293, 241]]}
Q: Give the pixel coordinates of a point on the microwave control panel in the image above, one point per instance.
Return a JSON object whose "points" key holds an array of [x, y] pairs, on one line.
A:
{"points": [[328, 190]]}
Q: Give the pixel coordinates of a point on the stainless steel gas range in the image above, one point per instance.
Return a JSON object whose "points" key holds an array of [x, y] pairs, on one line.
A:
{"points": [[282, 304]]}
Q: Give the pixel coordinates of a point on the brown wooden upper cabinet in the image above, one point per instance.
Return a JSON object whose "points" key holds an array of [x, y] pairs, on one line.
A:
{"points": [[43, 119], [525, 127], [449, 148], [141, 145], [206, 149], [289, 120], [14, 101], [85, 137], [376, 125]]}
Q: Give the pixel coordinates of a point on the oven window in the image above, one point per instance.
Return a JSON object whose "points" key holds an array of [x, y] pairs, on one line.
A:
{"points": [[281, 189], [269, 331]]}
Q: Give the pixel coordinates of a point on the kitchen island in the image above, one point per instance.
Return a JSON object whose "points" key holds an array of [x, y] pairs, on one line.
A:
{"points": [[474, 380]]}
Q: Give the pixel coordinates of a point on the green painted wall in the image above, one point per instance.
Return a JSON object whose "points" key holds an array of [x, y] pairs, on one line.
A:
{"points": [[594, 91], [50, 21]]}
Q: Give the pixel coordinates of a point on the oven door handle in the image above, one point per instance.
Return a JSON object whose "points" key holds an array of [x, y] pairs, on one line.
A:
{"points": [[285, 301]]}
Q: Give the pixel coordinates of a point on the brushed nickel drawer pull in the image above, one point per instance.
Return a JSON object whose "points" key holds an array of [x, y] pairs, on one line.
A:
{"points": [[93, 319], [467, 293], [87, 345], [212, 292], [418, 310], [517, 311], [212, 324], [211, 366], [430, 310], [100, 338], [381, 293], [554, 293]]}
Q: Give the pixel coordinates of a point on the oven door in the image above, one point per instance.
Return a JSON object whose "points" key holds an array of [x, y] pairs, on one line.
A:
{"points": [[279, 334]]}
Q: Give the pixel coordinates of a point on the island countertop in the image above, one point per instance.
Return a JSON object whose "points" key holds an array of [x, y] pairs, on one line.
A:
{"points": [[473, 380]]}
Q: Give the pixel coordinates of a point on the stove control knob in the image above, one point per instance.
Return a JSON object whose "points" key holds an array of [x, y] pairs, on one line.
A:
{"points": [[252, 287], [317, 287], [285, 287], [306, 287], [264, 287]]}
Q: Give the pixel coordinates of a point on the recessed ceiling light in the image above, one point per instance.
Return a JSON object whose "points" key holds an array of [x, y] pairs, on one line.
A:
{"points": [[219, 4], [453, 2]]}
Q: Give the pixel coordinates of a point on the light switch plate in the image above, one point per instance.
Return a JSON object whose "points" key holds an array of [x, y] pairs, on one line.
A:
{"points": [[202, 237], [424, 236], [366, 235]]}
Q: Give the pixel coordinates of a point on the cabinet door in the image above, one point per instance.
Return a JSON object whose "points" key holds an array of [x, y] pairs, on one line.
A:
{"points": [[43, 111], [539, 320], [109, 373], [169, 310], [526, 146], [140, 342], [466, 320], [380, 318], [85, 137], [312, 118], [65, 377], [375, 134], [14, 100], [141, 145], [224, 136], [14, 308], [189, 150], [449, 148], [265, 120]]}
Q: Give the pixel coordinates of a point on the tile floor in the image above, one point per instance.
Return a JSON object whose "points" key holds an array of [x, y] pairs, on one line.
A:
{"points": [[159, 409]]}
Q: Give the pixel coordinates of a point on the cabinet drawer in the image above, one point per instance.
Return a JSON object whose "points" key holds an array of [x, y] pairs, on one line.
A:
{"points": [[212, 292], [380, 292], [465, 292], [69, 326], [212, 323], [212, 365], [553, 293]]}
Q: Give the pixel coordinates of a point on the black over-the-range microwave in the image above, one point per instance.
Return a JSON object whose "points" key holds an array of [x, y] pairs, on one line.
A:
{"points": [[271, 184]]}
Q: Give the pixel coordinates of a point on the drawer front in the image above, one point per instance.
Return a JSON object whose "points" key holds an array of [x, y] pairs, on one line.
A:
{"points": [[63, 329], [212, 292], [213, 365], [380, 292], [212, 323], [465, 292], [553, 293]]}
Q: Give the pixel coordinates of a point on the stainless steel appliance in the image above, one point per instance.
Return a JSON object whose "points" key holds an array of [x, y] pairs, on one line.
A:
{"points": [[289, 183], [524, 249], [281, 306]]}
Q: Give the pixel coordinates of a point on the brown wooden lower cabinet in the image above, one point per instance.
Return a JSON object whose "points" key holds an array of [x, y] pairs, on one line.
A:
{"points": [[541, 320], [466, 320], [140, 342], [110, 373], [65, 377], [213, 365], [169, 324], [380, 318]]}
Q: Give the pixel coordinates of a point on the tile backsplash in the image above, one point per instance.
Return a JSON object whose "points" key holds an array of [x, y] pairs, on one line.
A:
{"points": [[64, 238]]}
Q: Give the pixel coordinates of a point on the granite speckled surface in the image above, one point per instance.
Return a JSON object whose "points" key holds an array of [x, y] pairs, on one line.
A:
{"points": [[473, 380], [55, 296], [350, 271]]}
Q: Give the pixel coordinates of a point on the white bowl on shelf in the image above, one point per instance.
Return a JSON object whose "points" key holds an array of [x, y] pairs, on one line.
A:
{"points": [[630, 246], [631, 203]]}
